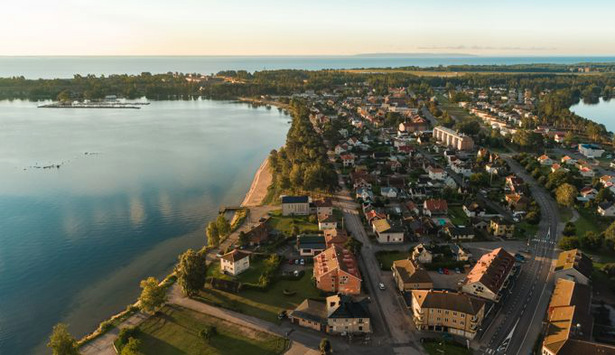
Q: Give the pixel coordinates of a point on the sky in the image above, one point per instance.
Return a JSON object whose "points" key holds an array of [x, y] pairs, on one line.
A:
{"points": [[315, 27]]}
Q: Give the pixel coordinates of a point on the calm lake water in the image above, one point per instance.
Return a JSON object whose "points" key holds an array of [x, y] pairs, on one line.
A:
{"points": [[603, 112], [65, 67], [76, 241]]}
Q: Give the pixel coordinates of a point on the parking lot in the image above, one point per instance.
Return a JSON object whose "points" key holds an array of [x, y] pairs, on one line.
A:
{"points": [[450, 281]]}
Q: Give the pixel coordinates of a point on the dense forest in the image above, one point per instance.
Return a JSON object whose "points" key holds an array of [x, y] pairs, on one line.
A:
{"points": [[302, 165]]}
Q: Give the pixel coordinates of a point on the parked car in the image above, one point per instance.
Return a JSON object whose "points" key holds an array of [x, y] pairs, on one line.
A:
{"points": [[457, 271], [302, 262], [282, 315], [446, 271], [440, 271], [291, 261], [219, 255], [381, 286], [296, 261]]}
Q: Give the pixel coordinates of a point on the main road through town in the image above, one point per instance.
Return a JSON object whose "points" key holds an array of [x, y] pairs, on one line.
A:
{"points": [[518, 323]]}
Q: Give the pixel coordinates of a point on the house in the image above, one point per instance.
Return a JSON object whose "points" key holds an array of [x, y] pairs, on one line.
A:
{"points": [[459, 253], [433, 207], [365, 194], [591, 150], [295, 205], [555, 167], [336, 236], [453, 139], [444, 311], [421, 254], [373, 215], [606, 209], [258, 233], [500, 227], [568, 160], [347, 160], [389, 192], [460, 232], [412, 208], [338, 314], [336, 270], [388, 232], [324, 206], [339, 149], [574, 265], [234, 262], [517, 202], [545, 160], [587, 193], [436, 173], [473, 210], [310, 244], [514, 184], [410, 276], [326, 221], [569, 322], [489, 275]]}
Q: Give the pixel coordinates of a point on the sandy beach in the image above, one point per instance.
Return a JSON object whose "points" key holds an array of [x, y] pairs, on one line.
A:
{"points": [[260, 184]]}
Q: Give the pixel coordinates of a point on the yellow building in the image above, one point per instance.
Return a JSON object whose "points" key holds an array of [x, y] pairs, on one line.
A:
{"points": [[410, 276], [450, 312]]}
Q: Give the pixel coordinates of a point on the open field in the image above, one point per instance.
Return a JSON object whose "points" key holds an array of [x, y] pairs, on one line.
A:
{"points": [[264, 304], [285, 224], [386, 258], [175, 330]]}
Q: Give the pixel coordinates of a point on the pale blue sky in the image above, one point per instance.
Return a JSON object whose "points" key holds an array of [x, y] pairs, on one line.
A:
{"points": [[271, 27]]}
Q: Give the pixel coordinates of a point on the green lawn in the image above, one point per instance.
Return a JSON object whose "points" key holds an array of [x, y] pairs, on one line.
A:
{"points": [[524, 229], [457, 215], [455, 110], [175, 330], [589, 222], [446, 348], [265, 305], [249, 276], [565, 213], [285, 224], [386, 258]]}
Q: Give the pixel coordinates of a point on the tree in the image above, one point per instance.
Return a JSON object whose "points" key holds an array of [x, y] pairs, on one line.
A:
{"points": [[152, 296], [224, 227], [132, 348], [568, 243], [566, 195], [591, 240], [191, 271], [244, 238], [207, 333], [353, 245], [213, 237], [569, 230], [325, 346], [61, 342]]}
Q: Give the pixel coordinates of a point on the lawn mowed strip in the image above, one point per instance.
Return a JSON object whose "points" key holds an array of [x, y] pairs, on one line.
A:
{"points": [[175, 330]]}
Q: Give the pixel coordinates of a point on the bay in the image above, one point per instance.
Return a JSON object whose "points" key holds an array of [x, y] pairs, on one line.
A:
{"points": [[66, 66], [134, 188], [602, 112]]}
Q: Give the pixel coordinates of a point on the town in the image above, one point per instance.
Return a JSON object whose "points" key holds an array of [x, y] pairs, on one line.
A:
{"points": [[445, 232]]}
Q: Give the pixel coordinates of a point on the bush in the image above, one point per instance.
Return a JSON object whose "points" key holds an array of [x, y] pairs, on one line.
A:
{"points": [[124, 336], [568, 243]]}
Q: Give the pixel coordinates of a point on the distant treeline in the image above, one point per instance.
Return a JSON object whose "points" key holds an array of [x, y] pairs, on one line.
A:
{"points": [[518, 68]]}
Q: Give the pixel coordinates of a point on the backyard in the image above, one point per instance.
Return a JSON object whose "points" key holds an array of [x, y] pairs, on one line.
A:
{"points": [[264, 304], [175, 330], [249, 276], [387, 257], [286, 224]]}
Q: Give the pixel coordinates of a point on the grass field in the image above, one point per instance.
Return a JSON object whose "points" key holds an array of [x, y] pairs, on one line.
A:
{"points": [[589, 222], [457, 215], [386, 258], [285, 224], [175, 330], [440, 348], [265, 304]]}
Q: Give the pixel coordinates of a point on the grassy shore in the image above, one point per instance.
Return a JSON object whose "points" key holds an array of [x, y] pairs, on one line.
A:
{"points": [[175, 330]]}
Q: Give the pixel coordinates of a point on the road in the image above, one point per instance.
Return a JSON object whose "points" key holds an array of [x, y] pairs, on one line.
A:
{"points": [[388, 311], [518, 323]]}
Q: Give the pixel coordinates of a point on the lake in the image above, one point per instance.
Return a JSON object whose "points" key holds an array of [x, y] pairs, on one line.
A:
{"points": [[76, 240], [67, 66], [602, 112]]}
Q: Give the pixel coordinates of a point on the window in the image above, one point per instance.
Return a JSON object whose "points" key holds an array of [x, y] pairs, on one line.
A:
{"points": [[360, 320], [360, 328]]}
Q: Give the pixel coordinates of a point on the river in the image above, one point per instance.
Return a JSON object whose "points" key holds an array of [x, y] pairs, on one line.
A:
{"points": [[134, 189], [602, 112]]}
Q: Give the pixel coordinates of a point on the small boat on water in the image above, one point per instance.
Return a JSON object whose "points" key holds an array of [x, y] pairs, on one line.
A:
{"points": [[109, 102]]}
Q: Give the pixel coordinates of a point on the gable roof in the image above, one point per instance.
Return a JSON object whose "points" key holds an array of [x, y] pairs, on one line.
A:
{"points": [[336, 258], [436, 205], [452, 301], [311, 241], [410, 272], [349, 308], [574, 259], [235, 255], [312, 310], [492, 269]]}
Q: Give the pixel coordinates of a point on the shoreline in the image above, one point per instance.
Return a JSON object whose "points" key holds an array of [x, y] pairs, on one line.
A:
{"points": [[260, 184]]}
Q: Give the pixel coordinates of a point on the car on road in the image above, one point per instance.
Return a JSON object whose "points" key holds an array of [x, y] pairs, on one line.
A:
{"points": [[282, 315], [520, 258], [381, 286]]}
